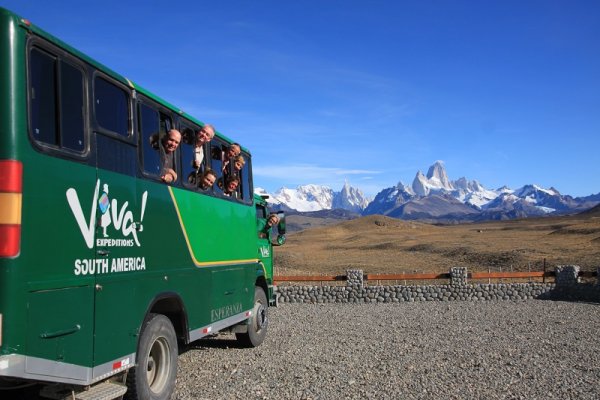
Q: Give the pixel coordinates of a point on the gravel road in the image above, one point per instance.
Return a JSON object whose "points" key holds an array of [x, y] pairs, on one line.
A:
{"points": [[465, 350]]}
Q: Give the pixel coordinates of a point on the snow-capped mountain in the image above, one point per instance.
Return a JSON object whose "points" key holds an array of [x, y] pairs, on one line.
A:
{"points": [[435, 197], [435, 181], [473, 193], [308, 198], [537, 199], [350, 198], [389, 199]]}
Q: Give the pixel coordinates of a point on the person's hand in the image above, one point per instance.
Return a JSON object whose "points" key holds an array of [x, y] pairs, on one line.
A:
{"points": [[169, 176]]}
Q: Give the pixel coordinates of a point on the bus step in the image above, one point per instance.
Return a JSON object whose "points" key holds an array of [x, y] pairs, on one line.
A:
{"points": [[102, 391]]}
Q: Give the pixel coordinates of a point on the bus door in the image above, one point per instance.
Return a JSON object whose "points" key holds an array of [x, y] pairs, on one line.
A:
{"points": [[57, 244], [118, 215]]}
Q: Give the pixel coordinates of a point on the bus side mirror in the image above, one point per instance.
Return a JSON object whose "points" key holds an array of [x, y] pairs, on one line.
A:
{"points": [[280, 240], [281, 225]]}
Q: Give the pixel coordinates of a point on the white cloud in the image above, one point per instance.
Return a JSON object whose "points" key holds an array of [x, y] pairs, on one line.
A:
{"points": [[301, 174], [306, 172]]}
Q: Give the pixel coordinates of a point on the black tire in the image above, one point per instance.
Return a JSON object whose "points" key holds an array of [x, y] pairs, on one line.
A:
{"points": [[258, 322], [153, 378]]}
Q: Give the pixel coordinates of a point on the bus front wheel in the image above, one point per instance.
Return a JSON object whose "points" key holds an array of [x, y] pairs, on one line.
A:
{"points": [[258, 321], [154, 376]]}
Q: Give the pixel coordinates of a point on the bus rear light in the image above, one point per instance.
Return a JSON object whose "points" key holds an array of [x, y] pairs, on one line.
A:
{"points": [[11, 187], [11, 176], [10, 240], [10, 208]]}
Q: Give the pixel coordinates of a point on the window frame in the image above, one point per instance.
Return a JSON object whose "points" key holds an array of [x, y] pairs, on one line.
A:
{"points": [[219, 143], [246, 170], [96, 126], [195, 128], [161, 110], [35, 42]]}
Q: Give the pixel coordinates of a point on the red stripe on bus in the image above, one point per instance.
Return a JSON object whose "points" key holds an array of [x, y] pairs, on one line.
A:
{"points": [[10, 240], [11, 176]]}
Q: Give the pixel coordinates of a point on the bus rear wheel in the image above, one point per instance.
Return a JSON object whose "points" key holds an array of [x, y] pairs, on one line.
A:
{"points": [[258, 321], [154, 376]]}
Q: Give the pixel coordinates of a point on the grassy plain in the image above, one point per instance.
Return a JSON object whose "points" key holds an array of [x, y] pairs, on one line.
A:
{"points": [[378, 244]]}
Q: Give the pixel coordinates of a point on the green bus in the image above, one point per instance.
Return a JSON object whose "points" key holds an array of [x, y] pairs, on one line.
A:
{"points": [[105, 269]]}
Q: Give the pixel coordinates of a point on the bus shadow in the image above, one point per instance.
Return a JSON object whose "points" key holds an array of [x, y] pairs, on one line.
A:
{"points": [[26, 392], [214, 342]]}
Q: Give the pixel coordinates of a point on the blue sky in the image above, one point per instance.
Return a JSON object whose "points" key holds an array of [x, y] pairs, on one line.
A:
{"points": [[323, 91]]}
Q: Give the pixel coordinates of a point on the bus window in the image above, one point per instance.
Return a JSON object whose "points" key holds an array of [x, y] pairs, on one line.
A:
{"points": [[57, 101], [43, 97], [154, 126], [190, 174], [261, 212], [245, 188], [71, 110], [217, 147], [149, 134], [111, 104]]}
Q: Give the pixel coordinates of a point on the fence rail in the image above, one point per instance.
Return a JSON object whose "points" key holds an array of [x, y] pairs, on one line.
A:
{"points": [[406, 277], [309, 278]]}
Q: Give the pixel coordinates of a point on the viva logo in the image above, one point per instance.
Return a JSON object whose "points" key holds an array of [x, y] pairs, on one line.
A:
{"points": [[110, 214]]}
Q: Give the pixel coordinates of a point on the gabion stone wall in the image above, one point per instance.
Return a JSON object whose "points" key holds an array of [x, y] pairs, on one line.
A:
{"points": [[401, 293], [458, 290], [458, 276], [355, 278], [567, 274]]}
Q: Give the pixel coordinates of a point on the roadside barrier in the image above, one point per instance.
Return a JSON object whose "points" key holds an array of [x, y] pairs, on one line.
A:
{"points": [[567, 285]]}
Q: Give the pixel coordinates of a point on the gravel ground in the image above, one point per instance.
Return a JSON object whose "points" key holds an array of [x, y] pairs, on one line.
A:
{"points": [[465, 350]]}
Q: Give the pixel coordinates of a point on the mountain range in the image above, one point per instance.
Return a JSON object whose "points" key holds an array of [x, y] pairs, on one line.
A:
{"points": [[435, 198], [308, 198]]}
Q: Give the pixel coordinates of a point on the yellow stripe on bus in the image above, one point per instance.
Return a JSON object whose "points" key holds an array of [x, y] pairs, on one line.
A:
{"points": [[187, 241], [10, 208]]}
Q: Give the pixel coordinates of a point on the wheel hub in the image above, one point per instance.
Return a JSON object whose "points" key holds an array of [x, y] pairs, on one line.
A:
{"points": [[261, 317]]}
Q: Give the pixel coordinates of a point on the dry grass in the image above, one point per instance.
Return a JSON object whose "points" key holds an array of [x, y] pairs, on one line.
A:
{"points": [[378, 244]]}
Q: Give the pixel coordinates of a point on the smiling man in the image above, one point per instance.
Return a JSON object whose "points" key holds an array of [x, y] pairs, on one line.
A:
{"points": [[167, 155]]}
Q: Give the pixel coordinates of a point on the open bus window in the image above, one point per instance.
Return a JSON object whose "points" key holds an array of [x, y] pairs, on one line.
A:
{"points": [[216, 162], [57, 101], [112, 107], [261, 212], [224, 169], [154, 126], [190, 172], [149, 133], [244, 189]]}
